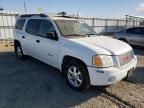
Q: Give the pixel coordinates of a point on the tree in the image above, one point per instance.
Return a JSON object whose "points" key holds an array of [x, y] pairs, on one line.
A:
{"points": [[1, 9], [62, 13]]}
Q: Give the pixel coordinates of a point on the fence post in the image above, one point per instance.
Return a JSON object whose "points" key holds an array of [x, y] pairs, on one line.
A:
{"points": [[0, 28], [117, 24], [133, 22], [126, 22], [106, 22], [3, 26], [93, 23], [12, 23], [8, 29]]}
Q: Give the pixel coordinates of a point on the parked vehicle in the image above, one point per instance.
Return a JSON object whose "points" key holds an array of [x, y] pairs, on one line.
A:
{"points": [[83, 57], [133, 36]]}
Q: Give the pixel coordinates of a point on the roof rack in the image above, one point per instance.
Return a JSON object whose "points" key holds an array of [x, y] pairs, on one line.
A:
{"points": [[65, 16], [30, 15]]}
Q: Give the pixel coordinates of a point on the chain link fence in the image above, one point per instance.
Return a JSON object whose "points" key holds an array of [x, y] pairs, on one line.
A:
{"points": [[7, 22], [100, 25]]}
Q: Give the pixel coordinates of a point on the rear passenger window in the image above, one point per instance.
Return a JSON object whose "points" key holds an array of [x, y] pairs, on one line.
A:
{"points": [[19, 24], [32, 26]]}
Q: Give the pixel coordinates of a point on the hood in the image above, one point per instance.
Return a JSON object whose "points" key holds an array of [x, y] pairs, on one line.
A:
{"points": [[104, 45]]}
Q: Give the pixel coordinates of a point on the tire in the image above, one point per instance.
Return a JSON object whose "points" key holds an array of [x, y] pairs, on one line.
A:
{"points": [[19, 52], [77, 76]]}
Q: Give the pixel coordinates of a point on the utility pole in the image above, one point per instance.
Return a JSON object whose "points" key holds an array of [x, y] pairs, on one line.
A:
{"points": [[25, 7], [77, 14]]}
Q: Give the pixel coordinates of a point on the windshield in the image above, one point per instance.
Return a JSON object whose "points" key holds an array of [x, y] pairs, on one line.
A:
{"points": [[74, 28]]}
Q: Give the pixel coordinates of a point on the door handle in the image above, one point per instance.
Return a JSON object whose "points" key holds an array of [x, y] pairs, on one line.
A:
{"points": [[37, 41], [23, 37]]}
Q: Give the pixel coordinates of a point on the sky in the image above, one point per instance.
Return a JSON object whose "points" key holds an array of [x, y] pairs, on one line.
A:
{"points": [[95, 8]]}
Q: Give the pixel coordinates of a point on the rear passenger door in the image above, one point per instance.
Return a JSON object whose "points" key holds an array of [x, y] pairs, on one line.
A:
{"points": [[31, 32]]}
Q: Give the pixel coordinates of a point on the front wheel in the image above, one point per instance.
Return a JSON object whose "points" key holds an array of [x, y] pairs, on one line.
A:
{"points": [[77, 76]]}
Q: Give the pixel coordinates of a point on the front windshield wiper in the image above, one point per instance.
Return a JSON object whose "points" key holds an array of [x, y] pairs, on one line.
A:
{"points": [[76, 35], [90, 34], [85, 35]]}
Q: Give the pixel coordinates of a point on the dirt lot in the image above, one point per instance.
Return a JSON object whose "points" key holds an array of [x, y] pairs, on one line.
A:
{"points": [[33, 84]]}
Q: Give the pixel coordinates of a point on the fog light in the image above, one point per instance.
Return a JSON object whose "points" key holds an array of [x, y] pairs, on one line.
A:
{"points": [[112, 79]]}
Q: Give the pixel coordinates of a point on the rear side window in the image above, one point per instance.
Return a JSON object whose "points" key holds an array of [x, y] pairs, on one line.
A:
{"points": [[137, 31], [142, 31], [32, 26], [19, 24]]}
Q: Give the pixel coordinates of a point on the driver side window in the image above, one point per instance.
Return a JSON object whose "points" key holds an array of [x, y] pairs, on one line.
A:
{"points": [[45, 28]]}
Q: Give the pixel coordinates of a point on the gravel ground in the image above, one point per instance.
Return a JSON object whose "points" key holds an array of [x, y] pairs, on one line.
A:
{"points": [[33, 84]]}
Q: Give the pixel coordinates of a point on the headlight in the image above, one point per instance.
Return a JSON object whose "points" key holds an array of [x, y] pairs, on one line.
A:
{"points": [[103, 61]]}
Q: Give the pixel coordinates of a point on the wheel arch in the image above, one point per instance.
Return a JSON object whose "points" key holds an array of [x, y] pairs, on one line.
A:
{"points": [[68, 58], [16, 42], [123, 39], [81, 64]]}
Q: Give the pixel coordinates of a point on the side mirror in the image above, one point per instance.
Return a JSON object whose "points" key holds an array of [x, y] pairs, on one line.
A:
{"points": [[51, 35]]}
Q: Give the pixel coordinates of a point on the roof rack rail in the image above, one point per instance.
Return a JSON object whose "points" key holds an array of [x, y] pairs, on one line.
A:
{"points": [[65, 16], [30, 15]]}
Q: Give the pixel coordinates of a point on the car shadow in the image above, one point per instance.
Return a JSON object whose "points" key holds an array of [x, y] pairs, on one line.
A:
{"points": [[138, 50], [137, 76], [33, 84]]}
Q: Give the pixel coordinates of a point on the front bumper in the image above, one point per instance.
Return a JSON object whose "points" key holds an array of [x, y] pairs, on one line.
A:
{"points": [[111, 75]]}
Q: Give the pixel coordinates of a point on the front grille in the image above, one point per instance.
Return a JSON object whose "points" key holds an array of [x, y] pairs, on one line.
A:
{"points": [[126, 58]]}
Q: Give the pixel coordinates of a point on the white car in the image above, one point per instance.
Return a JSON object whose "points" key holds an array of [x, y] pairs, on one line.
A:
{"points": [[83, 57]]}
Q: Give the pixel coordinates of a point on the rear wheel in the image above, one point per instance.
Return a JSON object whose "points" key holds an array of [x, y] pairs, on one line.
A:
{"points": [[19, 52], [77, 76]]}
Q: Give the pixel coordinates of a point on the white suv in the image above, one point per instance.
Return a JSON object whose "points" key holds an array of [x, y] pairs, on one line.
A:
{"points": [[83, 57]]}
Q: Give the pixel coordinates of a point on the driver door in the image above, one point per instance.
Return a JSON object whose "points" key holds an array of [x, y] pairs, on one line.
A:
{"points": [[47, 48]]}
